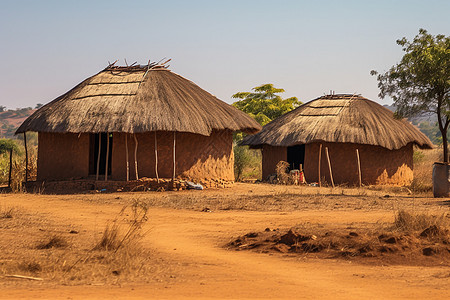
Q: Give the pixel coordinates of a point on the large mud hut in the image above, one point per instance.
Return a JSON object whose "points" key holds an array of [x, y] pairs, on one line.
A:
{"points": [[348, 137], [136, 121]]}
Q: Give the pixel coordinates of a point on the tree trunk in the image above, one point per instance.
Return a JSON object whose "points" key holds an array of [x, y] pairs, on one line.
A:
{"points": [[443, 129], [445, 144]]}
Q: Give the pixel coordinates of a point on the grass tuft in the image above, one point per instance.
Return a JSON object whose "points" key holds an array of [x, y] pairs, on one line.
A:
{"points": [[54, 242], [408, 221], [7, 212]]}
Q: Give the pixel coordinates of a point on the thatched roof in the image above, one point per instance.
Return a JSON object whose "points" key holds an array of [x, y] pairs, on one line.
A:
{"points": [[138, 99], [339, 118]]}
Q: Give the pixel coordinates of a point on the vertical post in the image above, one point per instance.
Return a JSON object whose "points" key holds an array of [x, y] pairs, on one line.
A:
{"points": [[10, 167], [156, 159], [135, 156], [329, 166], [174, 141], [126, 153], [26, 156], [359, 167], [320, 159], [107, 156], [98, 154]]}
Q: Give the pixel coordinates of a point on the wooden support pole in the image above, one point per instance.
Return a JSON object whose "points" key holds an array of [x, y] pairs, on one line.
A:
{"points": [[98, 154], [107, 156], [329, 166], [359, 168], [128, 159], [156, 159], [10, 167], [135, 156], [320, 159], [174, 141], [26, 156]]}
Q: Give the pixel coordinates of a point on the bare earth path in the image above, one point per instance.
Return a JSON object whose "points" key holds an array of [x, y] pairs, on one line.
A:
{"points": [[192, 242]]}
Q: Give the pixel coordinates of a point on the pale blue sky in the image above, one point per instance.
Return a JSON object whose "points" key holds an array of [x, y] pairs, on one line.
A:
{"points": [[306, 47]]}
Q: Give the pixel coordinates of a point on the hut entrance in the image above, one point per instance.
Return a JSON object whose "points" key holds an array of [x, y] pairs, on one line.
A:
{"points": [[296, 156], [96, 140]]}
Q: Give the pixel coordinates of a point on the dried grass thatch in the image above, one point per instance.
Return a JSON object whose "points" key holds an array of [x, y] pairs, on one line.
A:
{"points": [[342, 119], [138, 99]]}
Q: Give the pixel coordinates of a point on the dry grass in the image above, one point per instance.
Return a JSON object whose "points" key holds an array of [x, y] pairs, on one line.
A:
{"points": [[423, 169], [7, 212], [54, 241], [406, 221], [119, 234], [49, 250]]}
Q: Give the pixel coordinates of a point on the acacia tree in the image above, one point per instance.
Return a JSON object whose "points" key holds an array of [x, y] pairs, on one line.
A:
{"points": [[420, 82], [263, 104]]}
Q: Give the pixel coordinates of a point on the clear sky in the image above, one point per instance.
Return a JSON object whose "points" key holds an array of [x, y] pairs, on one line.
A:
{"points": [[306, 47]]}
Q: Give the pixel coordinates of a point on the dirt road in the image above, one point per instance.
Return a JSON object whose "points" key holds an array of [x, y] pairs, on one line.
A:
{"points": [[192, 242]]}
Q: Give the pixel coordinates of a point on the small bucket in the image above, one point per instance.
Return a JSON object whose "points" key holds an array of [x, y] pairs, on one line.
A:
{"points": [[441, 172]]}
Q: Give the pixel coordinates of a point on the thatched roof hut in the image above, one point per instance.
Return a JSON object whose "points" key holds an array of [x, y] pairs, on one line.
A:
{"points": [[138, 99], [88, 130], [341, 123]]}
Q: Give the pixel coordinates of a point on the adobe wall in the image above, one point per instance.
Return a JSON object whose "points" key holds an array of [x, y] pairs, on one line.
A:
{"points": [[197, 156], [271, 156], [62, 156], [378, 165]]}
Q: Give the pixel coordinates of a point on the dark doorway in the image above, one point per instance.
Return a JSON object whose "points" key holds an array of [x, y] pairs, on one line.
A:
{"points": [[296, 156], [93, 153]]}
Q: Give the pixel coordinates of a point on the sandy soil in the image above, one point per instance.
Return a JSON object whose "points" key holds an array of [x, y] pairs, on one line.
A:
{"points": [[189, 245]]}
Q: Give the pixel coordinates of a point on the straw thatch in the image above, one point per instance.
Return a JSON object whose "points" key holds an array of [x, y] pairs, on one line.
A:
{"points": [[138, 99], [341, 119]]}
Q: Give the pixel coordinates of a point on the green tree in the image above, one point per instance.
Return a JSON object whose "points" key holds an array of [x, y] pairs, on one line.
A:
{"points": [[420, 81], [264, 104], [8, 144]]}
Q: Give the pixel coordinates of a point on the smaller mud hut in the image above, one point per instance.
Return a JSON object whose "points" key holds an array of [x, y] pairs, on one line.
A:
{"points": [[342, 139], [129, 122]]}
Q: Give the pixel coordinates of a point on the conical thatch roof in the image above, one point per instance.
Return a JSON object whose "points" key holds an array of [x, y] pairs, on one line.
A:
{"points": [[342, 119], [138, 99]]}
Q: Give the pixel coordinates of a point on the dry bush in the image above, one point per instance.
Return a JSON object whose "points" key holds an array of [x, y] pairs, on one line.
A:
{"points": [[282, 169], [82, 258], [7, 212], [18, 168], [30, 267], [55, 241], [409, 221], [124, 231], [423, 169]]}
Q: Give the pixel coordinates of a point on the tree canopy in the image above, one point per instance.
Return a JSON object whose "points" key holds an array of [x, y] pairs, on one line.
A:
{"points": [[8, 144], [420, 81], [264, 104]]}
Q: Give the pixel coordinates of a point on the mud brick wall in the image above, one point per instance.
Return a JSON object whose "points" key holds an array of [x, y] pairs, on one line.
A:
{"points": [[271, 156], [378, 165], [62, 156], [66, 156], [198, 157]]}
